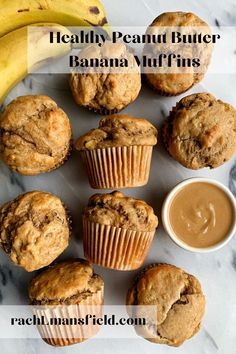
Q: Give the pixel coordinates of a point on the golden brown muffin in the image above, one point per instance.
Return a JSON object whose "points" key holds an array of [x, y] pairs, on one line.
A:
{"points": [[35, 135], [118, 230], [118, 153], [118, 130], [34, 229], [67, 290], [107, 92], [201, 131], [169, 82], [119, 210], [68, 282], [177, 300]]}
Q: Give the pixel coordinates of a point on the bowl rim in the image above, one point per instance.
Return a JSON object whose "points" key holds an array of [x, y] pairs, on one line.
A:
{"points": [[169, 230]]}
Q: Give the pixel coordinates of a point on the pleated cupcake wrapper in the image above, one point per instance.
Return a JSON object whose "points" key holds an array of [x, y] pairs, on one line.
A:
{"points": [[62, 335], [114, 247], [68, 218], [104, 111], [118, 167], [65, 159]]}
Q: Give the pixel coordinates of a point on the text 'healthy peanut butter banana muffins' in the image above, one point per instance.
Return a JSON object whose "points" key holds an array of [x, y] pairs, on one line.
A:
{"points": [[67, 290], [34, 229], [177, 300], [118, 153], [173, 80], [201, 131], [107, 92], [35, 135], [118, 230]]}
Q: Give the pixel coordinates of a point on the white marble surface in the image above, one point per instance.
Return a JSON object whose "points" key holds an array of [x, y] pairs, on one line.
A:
{"points": [[216, 271]]}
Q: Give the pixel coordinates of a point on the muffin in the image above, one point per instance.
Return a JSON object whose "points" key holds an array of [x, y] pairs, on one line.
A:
{"points": [[118, 153], [106, 90], [34, 229], [68, 290], [172, 302], [35, 135], [173, 80], [201, 131], [117, 230]]}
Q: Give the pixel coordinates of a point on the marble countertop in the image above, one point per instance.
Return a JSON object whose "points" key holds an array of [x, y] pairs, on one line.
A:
{"points": [[216, 271]]}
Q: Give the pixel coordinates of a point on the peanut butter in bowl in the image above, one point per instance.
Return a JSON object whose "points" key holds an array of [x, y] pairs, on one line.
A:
{"points": [[199, 215]]}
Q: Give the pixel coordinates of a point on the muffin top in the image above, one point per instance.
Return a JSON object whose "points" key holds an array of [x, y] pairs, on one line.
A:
{"points": [[111, 90], [201, 131], [34, 229], [170, 82], [118, 130], [178, 300], [68, 282], [178, 18], [119, 210], [35, 135]]}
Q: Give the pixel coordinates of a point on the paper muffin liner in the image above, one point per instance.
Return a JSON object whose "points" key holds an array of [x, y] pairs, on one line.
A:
{"points": [[165, 128], [68, 219], [118, 167], [104, 111], [65, 158], [63, 335], [115, 247]]}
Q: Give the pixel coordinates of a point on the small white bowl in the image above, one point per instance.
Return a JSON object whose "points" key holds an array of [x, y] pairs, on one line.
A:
{"points": [[170, 232]]}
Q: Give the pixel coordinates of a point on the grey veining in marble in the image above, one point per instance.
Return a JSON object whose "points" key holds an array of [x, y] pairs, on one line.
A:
{"points": [[216, 271]]}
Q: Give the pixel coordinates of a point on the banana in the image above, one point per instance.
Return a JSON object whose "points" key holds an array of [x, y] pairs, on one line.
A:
{"points": [[14, 54], [18, 13]]}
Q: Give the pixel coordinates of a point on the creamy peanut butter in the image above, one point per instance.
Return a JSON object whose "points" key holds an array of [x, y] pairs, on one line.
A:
{"points": [[201, 214]]}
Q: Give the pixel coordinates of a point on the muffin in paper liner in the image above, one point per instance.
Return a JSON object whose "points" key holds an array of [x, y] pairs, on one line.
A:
{"points": [[115, 247], [118, 167], [67, 299], [68, 334]]}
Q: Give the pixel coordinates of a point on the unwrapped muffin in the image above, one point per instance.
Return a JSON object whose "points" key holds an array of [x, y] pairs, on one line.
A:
{"points": [[35, 135], [171, 80], [68, 290], [201, 131], [118, 230], [107, 91], [118, 153], [171, 301], [34, 229]]}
